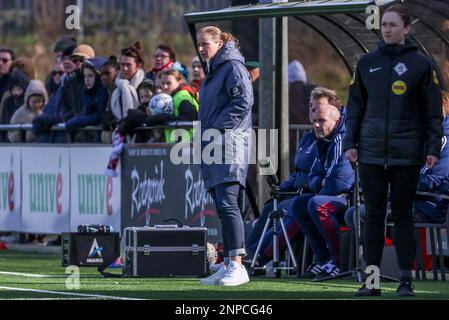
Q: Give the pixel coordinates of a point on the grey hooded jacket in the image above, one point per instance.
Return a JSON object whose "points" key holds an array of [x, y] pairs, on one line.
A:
{"points": [[226, 99]]}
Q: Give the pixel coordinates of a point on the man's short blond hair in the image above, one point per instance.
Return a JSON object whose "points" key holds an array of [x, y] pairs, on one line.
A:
{"points": [[331, 95]]}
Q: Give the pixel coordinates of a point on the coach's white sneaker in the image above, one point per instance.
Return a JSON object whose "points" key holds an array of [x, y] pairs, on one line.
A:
{"points": [[235, 275], [215, 267], [215, 278]]}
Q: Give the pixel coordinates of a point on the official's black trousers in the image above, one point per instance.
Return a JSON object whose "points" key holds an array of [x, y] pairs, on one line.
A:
{"points": [[402, 181]]}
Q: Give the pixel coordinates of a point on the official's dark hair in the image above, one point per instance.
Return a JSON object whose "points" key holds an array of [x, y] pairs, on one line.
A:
{"points": [[401, 11], [135, 51]]}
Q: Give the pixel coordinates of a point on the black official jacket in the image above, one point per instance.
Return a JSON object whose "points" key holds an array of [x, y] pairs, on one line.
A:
{"points": [[394, 111]]}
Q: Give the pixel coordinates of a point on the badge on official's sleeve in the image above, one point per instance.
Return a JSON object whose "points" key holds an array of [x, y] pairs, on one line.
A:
{"points": [[435, 78], [236, 91]]}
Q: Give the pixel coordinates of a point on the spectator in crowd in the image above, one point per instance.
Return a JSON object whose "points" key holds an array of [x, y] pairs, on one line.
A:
{"points": [[136, 117], [66, 103], [62, 44], [54, 81], [164, 58], [197, 75], [93, 98], [6, 58], [131, 74], [158, 84], [50, 113], [184, 103], [34, 101], [109, 73], [18, 83], [26, 66]]}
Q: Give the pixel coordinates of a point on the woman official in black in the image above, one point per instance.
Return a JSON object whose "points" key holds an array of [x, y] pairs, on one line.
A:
{"points": [[394, 125]]}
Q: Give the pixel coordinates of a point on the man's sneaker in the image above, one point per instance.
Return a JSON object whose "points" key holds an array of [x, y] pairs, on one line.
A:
{"points": [[269, 270], [215, 267], [312, 271], [365, 292], [330, 270], [405, 289], [235, 275], [215, 278]]}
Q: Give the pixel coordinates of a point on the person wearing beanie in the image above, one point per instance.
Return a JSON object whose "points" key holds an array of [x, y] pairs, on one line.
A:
{"points": [[34, 101], [18, 83], [296, 72], [93, 98], [63, 43]]}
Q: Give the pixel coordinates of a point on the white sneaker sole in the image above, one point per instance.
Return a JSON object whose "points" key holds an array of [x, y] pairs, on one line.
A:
{"points": [[230, 284]]}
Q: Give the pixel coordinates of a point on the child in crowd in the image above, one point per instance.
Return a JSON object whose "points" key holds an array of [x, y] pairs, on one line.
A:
{"points": [[35, 99]]}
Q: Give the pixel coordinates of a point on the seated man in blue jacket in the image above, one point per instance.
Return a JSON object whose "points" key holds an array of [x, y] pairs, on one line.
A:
{"points": [[331, 180], [304, 158], [330, 175], [427, 209]]}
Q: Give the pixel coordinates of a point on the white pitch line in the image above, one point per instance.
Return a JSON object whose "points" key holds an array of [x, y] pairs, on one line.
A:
{"points": [[68, 293], [20, 274]]}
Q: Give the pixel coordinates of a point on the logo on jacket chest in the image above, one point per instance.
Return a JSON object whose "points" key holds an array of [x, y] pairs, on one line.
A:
{"points": [[399, 87], [400, 69]]}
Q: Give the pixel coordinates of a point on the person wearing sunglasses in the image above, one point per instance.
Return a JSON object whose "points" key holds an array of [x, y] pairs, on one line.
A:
{"points": [[6, 59], [55, 79]]}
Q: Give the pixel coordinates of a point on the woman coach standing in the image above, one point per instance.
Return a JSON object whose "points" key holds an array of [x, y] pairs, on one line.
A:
{"points": [[394, 121], [226, 98]]}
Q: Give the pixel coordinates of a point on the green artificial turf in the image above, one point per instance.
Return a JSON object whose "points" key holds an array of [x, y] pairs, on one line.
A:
{"points": [[178, 288]]}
